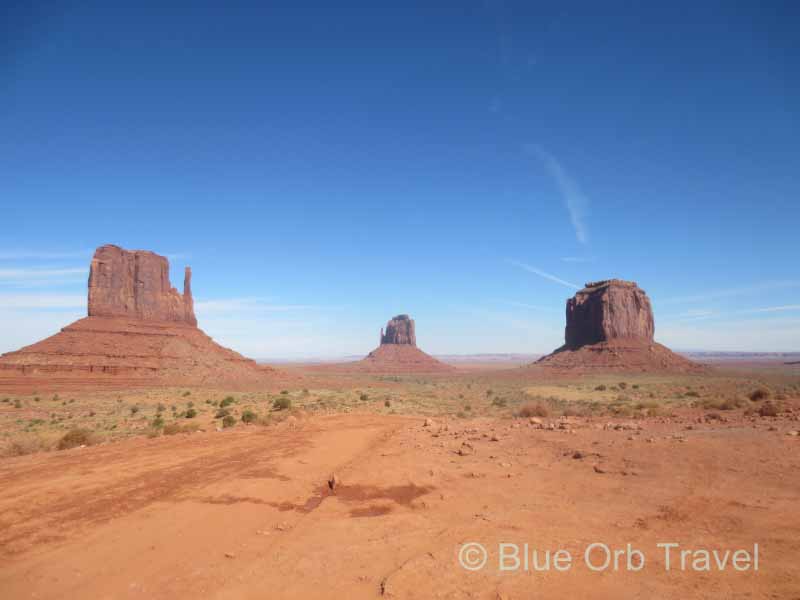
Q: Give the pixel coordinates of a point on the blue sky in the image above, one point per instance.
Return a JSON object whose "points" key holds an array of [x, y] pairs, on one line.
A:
{"points": [[324, 166]]}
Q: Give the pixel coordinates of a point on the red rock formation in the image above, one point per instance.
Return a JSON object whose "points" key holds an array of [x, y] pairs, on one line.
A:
{"points": [[400, 330], [139, 330], [610, 326], [608, 310], [135, 284]]}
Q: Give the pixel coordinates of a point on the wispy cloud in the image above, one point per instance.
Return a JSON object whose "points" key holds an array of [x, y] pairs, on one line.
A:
{"points": [[575, 200], [24, 254], [731, 292], [770, 309], [39, 301], [543, 274], [40, 276], [577, 259]]}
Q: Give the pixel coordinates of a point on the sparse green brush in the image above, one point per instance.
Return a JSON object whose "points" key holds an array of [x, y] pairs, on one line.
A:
{"points": [[221, 413], [228, 421], [282, 403], [191, 413], [248, 416], [533, 410], [499, 402], [387, 403], [17, 403], [227, 401], [158, 422], [284, 392], [364, 397], [187, 393], [134, 410], [600, 388], [622, 385], [759, 394]]}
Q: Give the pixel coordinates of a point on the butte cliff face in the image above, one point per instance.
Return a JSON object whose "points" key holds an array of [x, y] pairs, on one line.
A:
{"points": [[400, 330], [610, 325], [608, 310], [135, 284], [139, 328]]}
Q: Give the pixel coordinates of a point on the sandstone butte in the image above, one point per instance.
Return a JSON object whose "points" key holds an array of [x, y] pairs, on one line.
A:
{"points": [[138, 329], [610, 326], [398, 352]]}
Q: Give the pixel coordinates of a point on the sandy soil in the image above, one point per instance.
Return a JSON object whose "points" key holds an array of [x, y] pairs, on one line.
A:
{"points": [[247, 513]]}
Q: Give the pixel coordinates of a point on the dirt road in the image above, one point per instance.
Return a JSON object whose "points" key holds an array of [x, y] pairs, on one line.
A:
{"points": [[248, 514]]}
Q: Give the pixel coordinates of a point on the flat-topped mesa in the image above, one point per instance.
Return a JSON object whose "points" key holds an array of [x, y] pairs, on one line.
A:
{"points": [[135, 284], [399, 330], [608, 310]]}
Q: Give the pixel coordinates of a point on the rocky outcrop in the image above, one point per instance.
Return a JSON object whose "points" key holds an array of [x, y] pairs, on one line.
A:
{"points": [[135, 284], [139, 330], [399, 330], [610, 326], [608, 310]]}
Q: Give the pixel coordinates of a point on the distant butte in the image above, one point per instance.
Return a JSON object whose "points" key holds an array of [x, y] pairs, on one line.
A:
{"points": [[138, 329], [610, 325], [398, 352]]}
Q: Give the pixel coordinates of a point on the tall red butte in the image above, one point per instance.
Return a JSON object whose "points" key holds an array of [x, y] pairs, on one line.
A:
{"points": [[398, 352], [139, 329], [610, 325]]}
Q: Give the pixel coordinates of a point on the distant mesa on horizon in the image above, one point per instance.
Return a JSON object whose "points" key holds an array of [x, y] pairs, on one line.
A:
{"points": [[138, 328], [610, 325]]}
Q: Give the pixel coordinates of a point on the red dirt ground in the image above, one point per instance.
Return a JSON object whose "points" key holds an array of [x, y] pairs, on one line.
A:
{"points": [[247, 514]]}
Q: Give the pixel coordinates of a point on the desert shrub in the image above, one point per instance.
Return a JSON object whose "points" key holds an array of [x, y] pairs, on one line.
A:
{"points": [[23, 445], [692, 394], [364, 397], [387, 403], [571, 411], [248, 416], [191, 413], [768, 409], [622, 385], [158, 422], [173, 428], [600, 388], [17, 403], [228, 421], [759, 394], [646, 405], [134, 410], [461, 415], [282, 403], [489, 393], [467, 407], [190, 404], [187, 393], [222, 413], [226, 402], [499, 402], [76, 437], [636, 386], [533, 410], [622, 398], [285, 392]]}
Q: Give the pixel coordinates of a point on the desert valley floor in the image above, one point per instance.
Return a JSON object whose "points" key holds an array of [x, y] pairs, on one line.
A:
{"points": [[423, 463]]}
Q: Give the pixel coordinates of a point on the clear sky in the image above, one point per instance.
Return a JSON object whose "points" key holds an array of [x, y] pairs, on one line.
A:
{"points": [[323, 166]]}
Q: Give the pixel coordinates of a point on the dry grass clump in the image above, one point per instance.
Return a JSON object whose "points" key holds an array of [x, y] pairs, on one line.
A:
{"points": [[759, 394], [533, 410], [25, 444], [173, 428], [75, 437], [730, 403], [768, 409]]}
